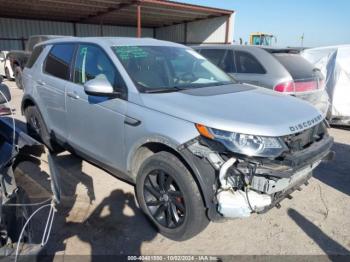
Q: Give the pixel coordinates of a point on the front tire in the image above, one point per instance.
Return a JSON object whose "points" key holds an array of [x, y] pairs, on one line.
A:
{"points": [[37, 129], [170, 197]]}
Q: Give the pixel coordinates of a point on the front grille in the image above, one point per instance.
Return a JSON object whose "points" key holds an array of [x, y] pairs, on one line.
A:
{"points": [[306, 138]]}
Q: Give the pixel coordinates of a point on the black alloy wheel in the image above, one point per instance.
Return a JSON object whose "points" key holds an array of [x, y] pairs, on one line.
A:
{"points": [[164, 199]]}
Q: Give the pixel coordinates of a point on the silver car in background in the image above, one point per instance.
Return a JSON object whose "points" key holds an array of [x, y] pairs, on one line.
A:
{"points": [[272, 68], [197, 145]]}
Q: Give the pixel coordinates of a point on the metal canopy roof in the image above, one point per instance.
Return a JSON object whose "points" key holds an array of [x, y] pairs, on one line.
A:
{"points": [[155, 13]]}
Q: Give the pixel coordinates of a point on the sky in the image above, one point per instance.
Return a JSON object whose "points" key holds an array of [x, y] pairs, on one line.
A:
{"points": [[323, 22]]}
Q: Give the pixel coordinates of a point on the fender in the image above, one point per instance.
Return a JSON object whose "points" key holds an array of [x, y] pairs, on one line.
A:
{"points": [[203, 172]]}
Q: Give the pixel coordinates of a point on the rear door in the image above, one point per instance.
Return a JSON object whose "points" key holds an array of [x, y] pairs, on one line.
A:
{"points": [[248, 68], [96, 123], [51, 86]]}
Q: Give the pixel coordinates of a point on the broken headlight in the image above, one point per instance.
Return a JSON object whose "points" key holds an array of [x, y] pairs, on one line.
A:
{"points": [[250, 145]]}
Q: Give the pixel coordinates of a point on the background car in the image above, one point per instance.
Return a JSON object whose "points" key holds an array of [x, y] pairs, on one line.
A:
{"points": [[5, 68], [276, 69]]}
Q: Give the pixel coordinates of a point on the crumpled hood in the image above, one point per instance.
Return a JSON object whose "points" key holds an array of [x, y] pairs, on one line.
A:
{"points": [[237, 108]]}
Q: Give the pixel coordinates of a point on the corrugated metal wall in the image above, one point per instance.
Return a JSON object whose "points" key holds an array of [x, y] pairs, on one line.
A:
{"points": [[211, 30], [207, 31], [23, 28], [126, 31], [174, 33]]}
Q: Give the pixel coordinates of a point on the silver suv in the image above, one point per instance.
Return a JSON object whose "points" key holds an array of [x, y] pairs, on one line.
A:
{"points": [[197, 145]]}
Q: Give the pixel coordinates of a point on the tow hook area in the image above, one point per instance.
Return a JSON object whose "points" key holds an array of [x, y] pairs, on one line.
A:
{"points": [[238, 203]]}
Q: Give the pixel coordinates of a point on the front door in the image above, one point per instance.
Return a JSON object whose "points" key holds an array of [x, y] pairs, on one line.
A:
{"points": [[95, 123]]}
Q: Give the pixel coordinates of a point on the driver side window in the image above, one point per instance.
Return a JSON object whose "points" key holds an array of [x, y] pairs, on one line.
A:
{"points": [[92, 62]]}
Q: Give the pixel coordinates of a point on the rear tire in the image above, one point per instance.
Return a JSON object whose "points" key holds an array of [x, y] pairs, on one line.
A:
{"points": [[37, 129], [175, 206], [18, 77]]}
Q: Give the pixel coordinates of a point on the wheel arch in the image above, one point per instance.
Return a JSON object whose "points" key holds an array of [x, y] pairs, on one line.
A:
{"points": [[27, 101], [145, 150]]}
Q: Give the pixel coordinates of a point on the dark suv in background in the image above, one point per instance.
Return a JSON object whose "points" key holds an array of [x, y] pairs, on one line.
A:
{"points": [[282, 70]]}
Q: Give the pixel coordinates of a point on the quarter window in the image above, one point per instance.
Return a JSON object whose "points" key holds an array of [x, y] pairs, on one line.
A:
{"points": [[36, 53], [58, 61], [248, 64], [92, 62]]}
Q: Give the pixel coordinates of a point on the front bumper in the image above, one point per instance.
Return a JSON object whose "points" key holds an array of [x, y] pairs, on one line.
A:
{"points": [[292, 163], [270, 181], [280, 196]]}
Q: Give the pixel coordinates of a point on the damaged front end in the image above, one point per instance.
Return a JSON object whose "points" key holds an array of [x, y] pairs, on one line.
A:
{"points": [[254, 174]]}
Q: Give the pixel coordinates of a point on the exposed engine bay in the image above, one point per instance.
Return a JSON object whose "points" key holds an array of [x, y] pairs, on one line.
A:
{"points": [[249, 184]]}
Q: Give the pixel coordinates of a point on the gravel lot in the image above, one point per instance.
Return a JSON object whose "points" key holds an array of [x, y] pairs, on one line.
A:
{"points": [[100, 215]]}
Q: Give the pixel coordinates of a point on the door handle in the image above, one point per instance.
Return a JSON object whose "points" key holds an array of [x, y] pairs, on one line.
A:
{"points": [[131, 121], [73, 95], [40, 82]]}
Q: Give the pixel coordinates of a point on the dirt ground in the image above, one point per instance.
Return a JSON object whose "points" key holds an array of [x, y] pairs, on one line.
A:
{"points": [[100, 215]]}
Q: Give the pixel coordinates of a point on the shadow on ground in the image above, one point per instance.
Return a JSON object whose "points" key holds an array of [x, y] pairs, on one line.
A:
{"points": [[336, 173], [328, 245], [107, 230]]}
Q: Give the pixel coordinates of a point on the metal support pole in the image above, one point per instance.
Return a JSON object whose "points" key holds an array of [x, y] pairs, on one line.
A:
{"points": [[227, 29], [101, 28], [74, 29], [138, 20], [23, 41]]}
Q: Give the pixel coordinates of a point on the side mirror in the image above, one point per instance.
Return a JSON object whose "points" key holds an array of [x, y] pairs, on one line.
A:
{"points": [[4, 94], [100, 87]]}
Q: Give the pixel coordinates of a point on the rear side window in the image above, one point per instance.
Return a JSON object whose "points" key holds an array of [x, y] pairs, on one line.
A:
{"points": [[58, 61], [36, 53], [297, 66], [248, 64]]}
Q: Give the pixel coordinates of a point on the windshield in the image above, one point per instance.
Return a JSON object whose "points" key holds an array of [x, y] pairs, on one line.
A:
{"points": [[169, 68]]}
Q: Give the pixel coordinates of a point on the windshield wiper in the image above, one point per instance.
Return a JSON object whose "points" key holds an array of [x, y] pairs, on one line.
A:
{"points": [[164, 90]]}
